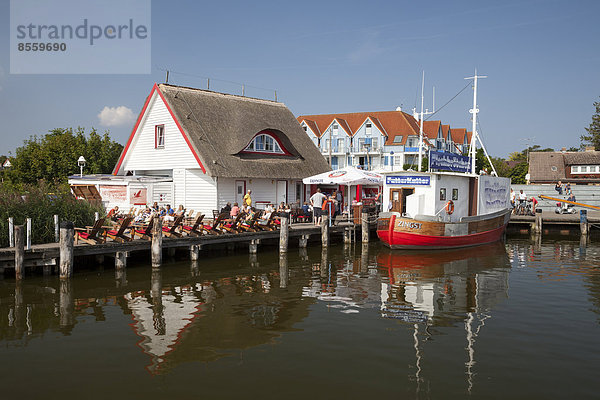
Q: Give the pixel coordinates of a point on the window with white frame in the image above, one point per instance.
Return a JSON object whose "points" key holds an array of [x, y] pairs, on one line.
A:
{"points": [[159, 136], [368, 128], [593, 168], [335, 129], [374, 143], [412, 142], [264, 143], [340, 145], [397, 160], [585, 169], [398, 139], [574, 169], [326, 145]]}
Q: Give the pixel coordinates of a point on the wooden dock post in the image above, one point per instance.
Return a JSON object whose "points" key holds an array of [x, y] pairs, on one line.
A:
{"points": [[365, 227], [583, 222], [156, 247], [121, 259], [195, 252], [253, 248], [283, 270], [364, 258], [194, 268], [325, 231], [28, 243], [66, 304], [284, 233], [347, 235], [11, 232], [538, 224], [67, 231], [56, 229], [19, 252], [303, 242], [121, 277]]}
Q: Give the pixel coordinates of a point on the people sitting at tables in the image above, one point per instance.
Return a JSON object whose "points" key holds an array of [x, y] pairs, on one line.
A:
{"points": [[180, 211], [113, 214], [234, 210], [169, 213], [226, 208], [155, 207]]}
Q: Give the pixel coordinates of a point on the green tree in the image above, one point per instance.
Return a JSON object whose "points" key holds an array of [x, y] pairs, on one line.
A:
{"points": [[518, 172], [54, 155], [593, 131]]}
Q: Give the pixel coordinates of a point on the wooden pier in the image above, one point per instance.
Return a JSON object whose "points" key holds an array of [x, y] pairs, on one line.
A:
{"points": [[68, 255], [554, 224]]}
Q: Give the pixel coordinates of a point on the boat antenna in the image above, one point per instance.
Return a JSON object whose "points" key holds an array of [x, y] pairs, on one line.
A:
{"points": [[474, 111]]}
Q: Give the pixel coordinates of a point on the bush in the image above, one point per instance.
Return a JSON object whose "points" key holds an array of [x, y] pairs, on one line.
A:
{"points": [[40, 203]]}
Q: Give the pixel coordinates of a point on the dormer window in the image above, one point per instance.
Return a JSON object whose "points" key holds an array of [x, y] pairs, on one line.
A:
{"points": [[265, 143]]}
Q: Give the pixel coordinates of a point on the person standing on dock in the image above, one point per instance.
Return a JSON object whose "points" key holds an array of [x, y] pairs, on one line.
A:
{"points": [[316, 200], [248, 199]]}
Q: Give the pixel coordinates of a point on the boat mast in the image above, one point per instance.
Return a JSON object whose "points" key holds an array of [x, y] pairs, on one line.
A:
{"points": [[474, 111], [421, 119]]}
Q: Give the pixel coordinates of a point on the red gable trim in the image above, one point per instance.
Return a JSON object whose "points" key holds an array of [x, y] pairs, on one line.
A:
{"points": [[137, 124]]}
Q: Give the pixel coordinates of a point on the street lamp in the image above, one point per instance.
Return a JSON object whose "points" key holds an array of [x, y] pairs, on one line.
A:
{"points": [[81, 163]]}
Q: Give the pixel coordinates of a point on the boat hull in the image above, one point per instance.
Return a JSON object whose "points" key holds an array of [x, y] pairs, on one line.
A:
{"points": [[404, 233]]}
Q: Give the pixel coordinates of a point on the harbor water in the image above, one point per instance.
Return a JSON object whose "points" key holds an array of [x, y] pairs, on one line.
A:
{"points": [[519, 319]]}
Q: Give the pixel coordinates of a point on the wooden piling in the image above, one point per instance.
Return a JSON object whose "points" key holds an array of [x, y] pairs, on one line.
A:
{"points": [[347, 235], [11, 232], [66, 304], [121, 277], [538, 224], [325, 231], [364, 258], [28, 243], [284, 232], [156, 247], [121, 259], [195, 252], [19, 246], [303, 242], [583, 222], [67, 231], [56, 229], [253, 247], [365, 227], [283, 270]]}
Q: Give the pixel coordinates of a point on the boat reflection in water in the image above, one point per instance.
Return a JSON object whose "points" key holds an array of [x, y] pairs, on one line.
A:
{"points": [[443, 288]]}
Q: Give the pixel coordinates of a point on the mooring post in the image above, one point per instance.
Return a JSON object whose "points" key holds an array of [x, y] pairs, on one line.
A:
{"points": [[364, 258], [28, 243], [303, 242], [56, 229], [283, 270], [194, 268], [195, 252], [66, 305], [66, 249], [19, 252], [324, 231], [284, 232], [157, 242], [11, 232], [538, 224], [365, 227], [121, 259], [120, 277], [347, 235], [254, 246], [583, 222]]}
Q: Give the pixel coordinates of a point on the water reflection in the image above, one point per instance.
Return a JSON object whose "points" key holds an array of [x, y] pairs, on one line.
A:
{"points": [[208, 310]]}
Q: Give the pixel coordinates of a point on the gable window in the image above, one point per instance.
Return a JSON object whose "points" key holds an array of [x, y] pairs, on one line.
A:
{"points": [[368, 128], [264, 143], [335, 129], [305, 128], [159, 136]]}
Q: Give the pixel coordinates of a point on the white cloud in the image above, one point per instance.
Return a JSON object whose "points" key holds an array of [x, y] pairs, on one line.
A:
{"points": [[115, 116]]}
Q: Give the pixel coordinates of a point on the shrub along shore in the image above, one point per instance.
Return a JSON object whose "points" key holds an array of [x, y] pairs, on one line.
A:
{"points": [[41, 202]]}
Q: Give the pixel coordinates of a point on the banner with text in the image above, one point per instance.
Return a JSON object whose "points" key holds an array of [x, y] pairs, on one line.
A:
{"points": [[448, 161], [407, 180]]}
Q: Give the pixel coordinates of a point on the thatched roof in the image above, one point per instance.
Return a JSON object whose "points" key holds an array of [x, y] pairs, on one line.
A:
{"points": [[220, 126]]}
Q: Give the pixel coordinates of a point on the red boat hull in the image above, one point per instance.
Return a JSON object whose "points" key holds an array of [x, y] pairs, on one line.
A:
{"points": [[410, 240]]}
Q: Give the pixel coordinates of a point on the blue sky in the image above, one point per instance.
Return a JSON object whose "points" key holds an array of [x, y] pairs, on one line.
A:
{"points": [[541, 59]]}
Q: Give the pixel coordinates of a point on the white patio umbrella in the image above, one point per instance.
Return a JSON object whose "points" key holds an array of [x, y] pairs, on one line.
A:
{"points": [[346, 176]]}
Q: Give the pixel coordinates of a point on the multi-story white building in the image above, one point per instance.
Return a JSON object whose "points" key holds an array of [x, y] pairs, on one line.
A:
{"points": [[383, 140]]}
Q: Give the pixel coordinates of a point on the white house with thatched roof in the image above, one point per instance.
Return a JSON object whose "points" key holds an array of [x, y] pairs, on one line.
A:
{"points": [[210, 148]]}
